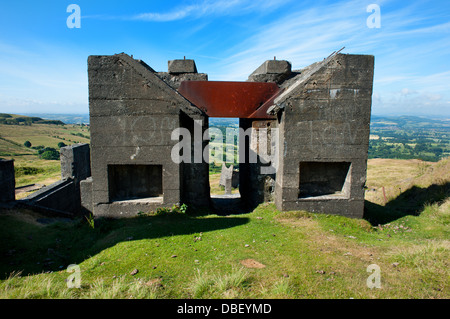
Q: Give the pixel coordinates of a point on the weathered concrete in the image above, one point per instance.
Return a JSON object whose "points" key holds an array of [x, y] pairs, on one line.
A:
{"points": [[133, 113], [229, 178], [7, 180], [60, 197], [324, 117], [182, 66], [64, 196], [75, 161], [321, 131], [86, 196], [271, 71], [174, 80]]}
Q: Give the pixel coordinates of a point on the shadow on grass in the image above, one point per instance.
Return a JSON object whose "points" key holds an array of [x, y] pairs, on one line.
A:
{"points": [[232, 205], [33, 249], [410, 202]]}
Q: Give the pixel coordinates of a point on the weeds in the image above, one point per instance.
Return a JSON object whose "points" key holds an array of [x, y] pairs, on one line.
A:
{"points": [[175, 209], [283, 288], [222, 286], [91, 221]]}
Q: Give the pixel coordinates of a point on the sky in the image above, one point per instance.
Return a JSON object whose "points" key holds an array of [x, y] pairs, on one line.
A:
{"points": [[43, 58]]}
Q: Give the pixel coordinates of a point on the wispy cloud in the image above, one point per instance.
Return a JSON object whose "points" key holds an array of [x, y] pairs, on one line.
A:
{"points": [[210, 8], [302, 37], [406, 48]]}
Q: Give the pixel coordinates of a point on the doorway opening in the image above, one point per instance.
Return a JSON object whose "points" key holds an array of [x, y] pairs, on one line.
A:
{"points": [[224, 164], [224, 156]]}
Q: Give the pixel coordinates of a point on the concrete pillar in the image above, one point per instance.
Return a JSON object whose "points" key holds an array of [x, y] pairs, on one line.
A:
{"points": [[7, 181], [75, 161], [228, 186], [182, 66], [271, 71]]}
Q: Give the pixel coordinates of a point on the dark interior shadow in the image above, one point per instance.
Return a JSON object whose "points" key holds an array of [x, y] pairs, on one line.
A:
{"points": [[410, 202], [71, 242], [230, 205]]}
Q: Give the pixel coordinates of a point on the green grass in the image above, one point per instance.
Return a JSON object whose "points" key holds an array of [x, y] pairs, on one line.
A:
{"points": [[30, 170], [306, 256]]}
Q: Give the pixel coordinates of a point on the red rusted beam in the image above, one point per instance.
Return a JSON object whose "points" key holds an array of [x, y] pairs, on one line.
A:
{"points": [[230, 99]]}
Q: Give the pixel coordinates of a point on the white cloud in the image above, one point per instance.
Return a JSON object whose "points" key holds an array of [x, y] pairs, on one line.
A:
{"points": [[208, 7], [303, 37], [434, 97], [408, 49], [406, 92]]}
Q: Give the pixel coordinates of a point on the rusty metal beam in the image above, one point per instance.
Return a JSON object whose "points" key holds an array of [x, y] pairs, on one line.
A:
{"points": [[231, 99]]}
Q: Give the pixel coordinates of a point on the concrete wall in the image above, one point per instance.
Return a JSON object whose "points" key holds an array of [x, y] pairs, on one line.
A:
{"points": [[75, 161], [325, 118], [132, 115], [7, 180], [195, 189], [64, 196], [61, 197], [322, 118], [257, 187]]}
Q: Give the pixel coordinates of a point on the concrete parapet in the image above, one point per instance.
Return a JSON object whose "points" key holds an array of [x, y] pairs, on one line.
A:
{"points": [[182, 66], [271, 71]]}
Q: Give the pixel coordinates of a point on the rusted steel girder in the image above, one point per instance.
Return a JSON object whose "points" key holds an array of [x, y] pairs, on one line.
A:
{"points": [[231, 99]]}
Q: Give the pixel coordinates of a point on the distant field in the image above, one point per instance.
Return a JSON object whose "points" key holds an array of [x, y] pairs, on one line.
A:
{"points": [[26, 159], [409, 137], [215, 188], [47, 135]]}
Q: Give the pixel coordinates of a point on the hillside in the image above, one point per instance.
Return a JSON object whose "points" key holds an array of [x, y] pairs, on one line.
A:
{"points": [[13, 119], [30, 165]]}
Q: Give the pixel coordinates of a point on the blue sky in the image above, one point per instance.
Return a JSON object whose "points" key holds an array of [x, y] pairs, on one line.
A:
{"points": [[43, 63]]}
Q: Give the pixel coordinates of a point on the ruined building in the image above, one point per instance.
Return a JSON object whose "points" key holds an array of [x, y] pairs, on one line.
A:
{"points": [[303, 141], [321, 113]]}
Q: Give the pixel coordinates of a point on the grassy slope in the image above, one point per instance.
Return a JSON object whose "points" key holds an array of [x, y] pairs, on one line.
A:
{"points": [[305, 255], [13, 137]]}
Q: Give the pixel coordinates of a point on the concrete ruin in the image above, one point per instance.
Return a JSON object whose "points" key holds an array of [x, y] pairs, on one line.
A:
{"points": [[321, 113], [7, 181], [63, 198], [229, 178], [312, 155]]}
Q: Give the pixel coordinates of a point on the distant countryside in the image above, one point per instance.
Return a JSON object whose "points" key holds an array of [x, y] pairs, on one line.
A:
{"points": [[34, 141], [404, 230], [409, 137]]}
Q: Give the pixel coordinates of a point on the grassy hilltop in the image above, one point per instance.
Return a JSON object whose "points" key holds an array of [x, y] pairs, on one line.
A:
{"points": [[263, 254]]}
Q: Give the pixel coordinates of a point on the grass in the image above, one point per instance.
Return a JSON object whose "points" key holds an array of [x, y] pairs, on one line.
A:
{"points": [[215, 188], [26, 160], [228, 285], [305, 255], [47, 171]]}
